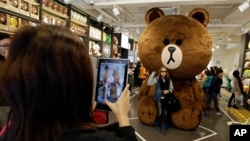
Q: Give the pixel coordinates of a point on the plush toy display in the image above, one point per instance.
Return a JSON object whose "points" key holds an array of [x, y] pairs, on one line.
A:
{"points": [[183, 45], [116, 54], [95, 49]]}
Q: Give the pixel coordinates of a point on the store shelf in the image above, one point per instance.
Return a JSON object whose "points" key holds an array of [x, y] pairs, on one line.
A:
{"points": [[55, 13], [79, 23]]}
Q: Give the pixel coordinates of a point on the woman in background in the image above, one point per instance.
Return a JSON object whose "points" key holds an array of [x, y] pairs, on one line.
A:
{"points": [[48, 81], [143, 74], [237, 89]]}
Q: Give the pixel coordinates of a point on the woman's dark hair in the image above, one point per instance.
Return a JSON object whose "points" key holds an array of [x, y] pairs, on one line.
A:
{"points": [[4, 35], [48, 81], [236, 73], [207, 72], [218, 71]]}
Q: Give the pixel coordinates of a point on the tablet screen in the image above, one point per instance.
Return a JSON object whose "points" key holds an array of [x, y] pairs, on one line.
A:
{"points": [[111, 80]]}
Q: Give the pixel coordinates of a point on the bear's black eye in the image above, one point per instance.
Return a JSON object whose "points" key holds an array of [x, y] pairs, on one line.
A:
{"points": [[178, 42], [166, 41]]}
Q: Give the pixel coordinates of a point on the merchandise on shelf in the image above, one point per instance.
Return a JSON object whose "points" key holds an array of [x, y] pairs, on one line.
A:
{"points": [[21, 13], [94, 49], [3, 19], [106, 50], [95, 33], [24, 6], [13, 3]]}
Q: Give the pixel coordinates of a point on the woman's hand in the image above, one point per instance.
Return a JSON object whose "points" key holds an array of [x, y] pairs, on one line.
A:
{"points": [[94, 105], [153, 72], [121, 107], [166, 92]]}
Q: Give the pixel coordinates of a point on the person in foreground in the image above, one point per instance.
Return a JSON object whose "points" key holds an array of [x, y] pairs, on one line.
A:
{"points": [[48, 82]]}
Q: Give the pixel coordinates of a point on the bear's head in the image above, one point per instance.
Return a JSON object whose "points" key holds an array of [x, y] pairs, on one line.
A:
{"points": [[180, 43]]}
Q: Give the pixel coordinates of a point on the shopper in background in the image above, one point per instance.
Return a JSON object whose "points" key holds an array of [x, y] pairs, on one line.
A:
{"points": [[143, 74], [215, 90], [137, 73], [5, 41], [48, 81], [237, 90], [164, 86]]}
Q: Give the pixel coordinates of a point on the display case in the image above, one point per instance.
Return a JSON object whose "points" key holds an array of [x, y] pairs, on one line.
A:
{"points": [[123, 44], [78, 22], [98, 36], [15, 14], [54, 12], [107, 35], [245, 55], [95, 37]]}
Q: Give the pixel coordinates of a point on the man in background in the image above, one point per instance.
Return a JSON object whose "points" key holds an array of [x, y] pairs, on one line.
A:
{"points": [[5, 40]]}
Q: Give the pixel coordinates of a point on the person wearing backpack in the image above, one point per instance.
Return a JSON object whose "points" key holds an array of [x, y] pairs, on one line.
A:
{"points": [[137, 73], [215, 90], [207, 81]]}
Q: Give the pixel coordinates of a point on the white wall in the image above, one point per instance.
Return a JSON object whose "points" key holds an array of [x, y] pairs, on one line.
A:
{"points": [[226, 58]]}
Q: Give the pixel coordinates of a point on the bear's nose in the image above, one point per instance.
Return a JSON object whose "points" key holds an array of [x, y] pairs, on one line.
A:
{"points": [[171, 49]]}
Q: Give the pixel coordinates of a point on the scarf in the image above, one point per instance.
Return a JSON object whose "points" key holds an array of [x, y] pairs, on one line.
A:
{"points": [[164, 85]]}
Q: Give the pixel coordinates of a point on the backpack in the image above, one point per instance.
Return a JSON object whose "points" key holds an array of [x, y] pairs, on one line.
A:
{"points": [[208, 81]]}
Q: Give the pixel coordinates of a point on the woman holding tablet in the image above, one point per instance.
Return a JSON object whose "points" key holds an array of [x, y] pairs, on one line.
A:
{"points": [[48, 81]]}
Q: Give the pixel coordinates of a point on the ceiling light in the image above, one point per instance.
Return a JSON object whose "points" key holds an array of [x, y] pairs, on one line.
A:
{"points": [[229, 39], [67, 1], [244, 30], [116, 11], [137, 31], [244, 6], [117, 28], [100, 17]]}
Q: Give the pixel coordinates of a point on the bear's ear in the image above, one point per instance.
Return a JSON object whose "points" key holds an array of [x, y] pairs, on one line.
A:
{"points": [[153, 14], [200, 15]]}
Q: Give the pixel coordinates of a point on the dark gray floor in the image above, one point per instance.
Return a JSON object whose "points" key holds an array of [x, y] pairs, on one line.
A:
{"points": [[212, 127]]}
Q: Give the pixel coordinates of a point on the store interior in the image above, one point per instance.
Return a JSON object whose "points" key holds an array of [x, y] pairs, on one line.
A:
{"points": [[112, 28]]}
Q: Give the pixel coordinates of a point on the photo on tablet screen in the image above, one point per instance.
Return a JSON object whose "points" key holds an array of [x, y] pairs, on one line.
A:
{"points": [[111, 80]]}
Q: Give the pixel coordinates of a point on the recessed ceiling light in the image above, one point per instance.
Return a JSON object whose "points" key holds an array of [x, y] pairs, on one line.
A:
{"points": [[99, 18], [244, 6]]}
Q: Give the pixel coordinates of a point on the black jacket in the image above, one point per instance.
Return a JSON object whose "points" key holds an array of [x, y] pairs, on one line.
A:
{"points": [[111, 132], [216, 84], [107, 133]]}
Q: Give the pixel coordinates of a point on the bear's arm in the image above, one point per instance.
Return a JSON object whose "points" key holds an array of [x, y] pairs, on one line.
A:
{"points": [[171, 86]]}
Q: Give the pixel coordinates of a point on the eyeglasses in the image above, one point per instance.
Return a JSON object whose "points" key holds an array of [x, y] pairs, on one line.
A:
{"points": [[4, 45]]}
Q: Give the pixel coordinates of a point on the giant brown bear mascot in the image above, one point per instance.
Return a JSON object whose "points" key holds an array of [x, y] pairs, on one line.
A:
{"points": [[183, 45]]}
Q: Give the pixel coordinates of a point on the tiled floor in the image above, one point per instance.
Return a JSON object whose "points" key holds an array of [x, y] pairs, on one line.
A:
{"points": [[212, 127]]}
